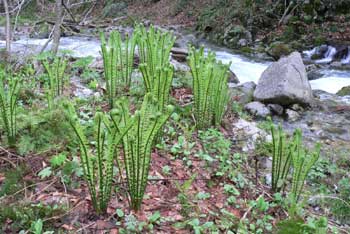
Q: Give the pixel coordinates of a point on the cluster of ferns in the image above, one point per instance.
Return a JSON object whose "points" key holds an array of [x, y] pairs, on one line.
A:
{"points": [[127, 139]]}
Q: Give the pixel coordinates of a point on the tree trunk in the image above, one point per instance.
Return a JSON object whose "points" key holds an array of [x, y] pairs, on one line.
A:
{"points": [[8, 30], [57, 30]]}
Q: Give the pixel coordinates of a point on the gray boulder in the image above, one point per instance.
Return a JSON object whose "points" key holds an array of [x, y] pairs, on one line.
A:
{"points": [[285, 82], [257, 109]]}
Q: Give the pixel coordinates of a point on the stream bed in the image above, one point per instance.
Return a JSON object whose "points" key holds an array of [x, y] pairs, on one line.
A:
{"points": [[246, 69]]}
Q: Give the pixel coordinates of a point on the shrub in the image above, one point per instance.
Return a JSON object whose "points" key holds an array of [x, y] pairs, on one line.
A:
{"points": [[9, 91], [210, 88], [138, 143]]}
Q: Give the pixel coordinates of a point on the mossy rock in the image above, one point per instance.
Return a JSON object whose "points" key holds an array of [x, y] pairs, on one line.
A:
{"points": [[246, 50], [278, 50], [345, 91], [115, 9]]}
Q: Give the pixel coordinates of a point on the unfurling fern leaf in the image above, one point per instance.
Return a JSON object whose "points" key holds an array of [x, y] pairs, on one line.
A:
{"points": [[55, 70], [118, 61], [210, 88], [98, 166], [281, 157], [157, 73], [302, 161], [154, 48], [9, 91], [138, 143]]}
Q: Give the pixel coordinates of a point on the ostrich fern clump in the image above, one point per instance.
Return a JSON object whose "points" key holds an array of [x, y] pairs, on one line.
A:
{"points": [[154, 48], [158, 83], [287, 153], [55, 71], [302, 160], [9, 92], [97, 163], [138, 143], [157, 73], [210, 88], [281, 157], [118, 61]]}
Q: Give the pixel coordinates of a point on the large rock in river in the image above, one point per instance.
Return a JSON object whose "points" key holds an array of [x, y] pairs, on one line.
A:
{"points": [[285, 82]]}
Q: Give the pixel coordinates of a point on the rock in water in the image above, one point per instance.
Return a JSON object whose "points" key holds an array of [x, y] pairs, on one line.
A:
{"points": [[345, 91], [285, 82], [257, 109]]}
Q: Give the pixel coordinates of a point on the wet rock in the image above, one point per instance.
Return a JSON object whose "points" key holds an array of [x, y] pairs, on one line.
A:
{"points": [[297, 108], [285, 82], [336, 65], [292, 115], [179, 54], [345, 91], [244, 92], [278, 50], [233, 78], [313, 72], [182, 41], [275, 109], [179, 66], [257, 109]]}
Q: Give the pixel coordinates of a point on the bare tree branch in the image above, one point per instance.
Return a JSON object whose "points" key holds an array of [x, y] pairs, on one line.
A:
{"points": [[57, 30], [8, 30]]}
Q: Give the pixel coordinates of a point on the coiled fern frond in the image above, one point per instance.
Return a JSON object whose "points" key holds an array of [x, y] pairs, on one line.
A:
{"points": [[281, 157], [97, 162], [154, 48], [138, 143], [303, 160], [55, 69], [158, 83], [9, 91], [118, 60], [210, 88]]}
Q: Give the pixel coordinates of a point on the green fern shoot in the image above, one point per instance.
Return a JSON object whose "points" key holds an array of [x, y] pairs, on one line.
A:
{"points": [[97, 162], [158, 83], [9, 91], [281, 157], [118, 61], [138, 143], [210, 88], [302, 160], [55, 70], [154, 48]]}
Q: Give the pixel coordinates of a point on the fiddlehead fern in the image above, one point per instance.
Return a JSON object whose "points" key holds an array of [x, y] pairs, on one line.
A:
{"points": [[154, 48], [302, 161], [138, 143], [55, 71], [98, 167], [281, 157], [118, 60], [157, 73], [9, 91], [158, 83], [210, 88]]}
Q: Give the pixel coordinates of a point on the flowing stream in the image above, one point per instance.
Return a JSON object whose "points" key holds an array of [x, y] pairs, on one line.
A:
{"points": [[246, 69]]}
